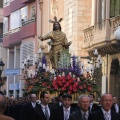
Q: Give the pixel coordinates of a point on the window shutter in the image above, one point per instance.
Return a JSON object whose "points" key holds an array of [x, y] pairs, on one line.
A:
{"points": [[27, 49]]}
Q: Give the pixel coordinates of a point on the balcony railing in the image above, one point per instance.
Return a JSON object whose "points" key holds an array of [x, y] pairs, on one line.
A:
{"points": [[101, 36], [5, 34], [7, 3], [88, 34], [97, 34], [115, 22], [14, 30], [99, 26], [28, 21]]}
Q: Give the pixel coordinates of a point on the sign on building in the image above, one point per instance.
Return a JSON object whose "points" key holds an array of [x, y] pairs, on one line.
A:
{"points": [[14, 87], [12, 72]]}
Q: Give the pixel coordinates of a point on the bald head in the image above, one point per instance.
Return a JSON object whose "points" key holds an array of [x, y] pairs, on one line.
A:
{"points": [[2, 103], [106, 101], [106, 95]]}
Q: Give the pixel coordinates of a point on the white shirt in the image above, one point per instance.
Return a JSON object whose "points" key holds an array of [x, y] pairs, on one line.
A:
{"points": [[91, 104], [86, 114], [68, 112], [33, 104], [43, 109], [60, 104], [116, 108], [107, 114]]}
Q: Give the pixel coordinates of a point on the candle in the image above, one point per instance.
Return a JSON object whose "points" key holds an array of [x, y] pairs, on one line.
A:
{"points": [[23, 66], [44, 67], [40, 51], [47, 69], [63, 74], [28, 57], [95, 52], [40, 64], [52, 71]]}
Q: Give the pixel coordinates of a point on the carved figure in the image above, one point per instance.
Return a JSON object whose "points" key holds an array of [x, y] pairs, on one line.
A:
{"points": [[58, 41]]}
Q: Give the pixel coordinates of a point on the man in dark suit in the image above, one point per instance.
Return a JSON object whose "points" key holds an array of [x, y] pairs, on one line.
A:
{"points": [[63, 112], [83, 112], [93, 106], [105, 112], [115, 106], [27, 111], [59, 103], [44, 110]]}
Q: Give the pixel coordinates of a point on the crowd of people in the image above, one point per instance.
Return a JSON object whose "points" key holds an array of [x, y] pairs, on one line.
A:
{"points": [[60, 108]]}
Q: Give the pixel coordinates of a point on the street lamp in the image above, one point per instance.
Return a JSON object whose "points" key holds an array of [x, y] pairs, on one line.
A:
{"points": [[117, 33], [1, 67], [117, 37]]}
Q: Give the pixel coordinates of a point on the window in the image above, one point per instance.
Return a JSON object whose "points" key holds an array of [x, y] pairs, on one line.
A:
{"points": [[5, 25], [114, 8], [17, 93], [10, 93], [33, 11], [6, 2], [15, 20], [1, 30], [1, 3], [24, 13], [27, 49], [101, 10]]}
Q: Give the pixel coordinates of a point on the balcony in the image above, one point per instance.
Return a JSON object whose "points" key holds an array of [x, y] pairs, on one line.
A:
{"points": [[12, 6], [1, 15], [28, 28], [12, 37], [7, 9], [101, 36], [6, 39], [15, 36], [26, 1], [15, 5]]}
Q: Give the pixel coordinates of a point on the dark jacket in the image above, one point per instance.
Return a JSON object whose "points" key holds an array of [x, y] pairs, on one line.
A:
{"points": [[76, 115], [58, 113], [28, 112], [98, 115], [94, 107], [113, 108], [40, 114]]}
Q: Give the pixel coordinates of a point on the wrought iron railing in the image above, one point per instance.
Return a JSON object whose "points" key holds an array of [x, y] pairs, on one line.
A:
{"points": [[28, 21]]}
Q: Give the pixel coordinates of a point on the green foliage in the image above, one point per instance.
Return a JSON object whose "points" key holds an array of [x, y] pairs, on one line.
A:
{"points": [[64, 60]]}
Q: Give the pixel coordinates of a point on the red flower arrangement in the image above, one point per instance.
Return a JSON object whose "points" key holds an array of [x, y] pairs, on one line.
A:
{"points": [[70, 84]]}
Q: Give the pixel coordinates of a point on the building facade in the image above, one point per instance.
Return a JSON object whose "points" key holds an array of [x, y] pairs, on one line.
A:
{"points": [[19, 37], [2, 50], [100, 36], [25, 20]]}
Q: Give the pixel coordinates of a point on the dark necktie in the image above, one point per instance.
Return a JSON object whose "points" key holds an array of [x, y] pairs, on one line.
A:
{"points": [[66, 115], [46, 113], [84, 118]]}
